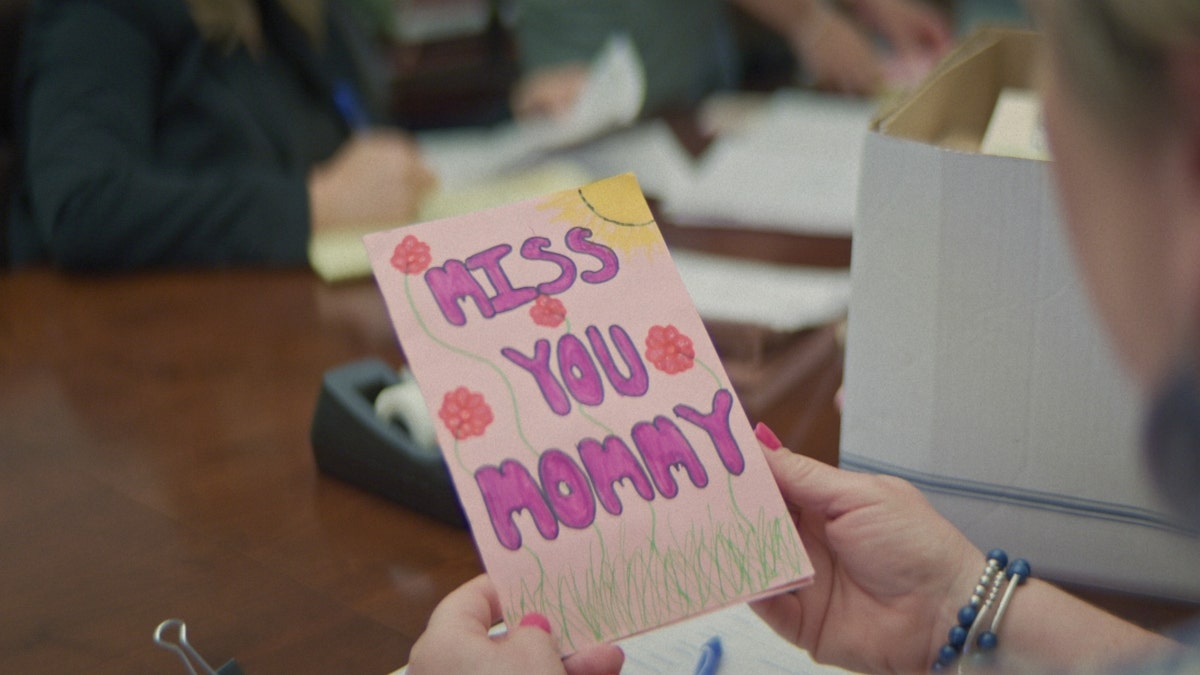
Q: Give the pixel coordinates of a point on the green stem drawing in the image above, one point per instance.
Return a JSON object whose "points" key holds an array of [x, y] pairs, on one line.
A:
{"points": [[512, 394], [458, 456], [728, 477], [711, 372]]}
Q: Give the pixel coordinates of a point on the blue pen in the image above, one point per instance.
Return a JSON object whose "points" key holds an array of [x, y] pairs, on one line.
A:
{"points": [[348, 105], [710, 657]]}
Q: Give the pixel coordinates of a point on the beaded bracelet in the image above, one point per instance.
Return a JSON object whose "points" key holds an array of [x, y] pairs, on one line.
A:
{"points": [[968, 633]]}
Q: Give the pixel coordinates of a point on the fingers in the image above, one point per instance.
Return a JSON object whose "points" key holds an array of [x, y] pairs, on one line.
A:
{"points": [[531, 643], [840, 57], [912, 28], [551, 92], [462, 621], [456, 639], [403, 152], [378, 177], [411, 162], [602, 659], [423, 181], [813, 485], [474, 607], [932, 31], [783, 613]]}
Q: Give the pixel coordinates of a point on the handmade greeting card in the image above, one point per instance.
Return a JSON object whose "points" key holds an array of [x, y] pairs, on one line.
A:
{"points": [[610, 476]]}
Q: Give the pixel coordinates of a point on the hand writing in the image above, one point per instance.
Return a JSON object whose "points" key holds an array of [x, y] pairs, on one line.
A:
{"points": [[375, 178]]}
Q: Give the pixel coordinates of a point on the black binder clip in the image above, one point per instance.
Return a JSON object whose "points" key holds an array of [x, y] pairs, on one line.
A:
{"points": [[196, 664]]}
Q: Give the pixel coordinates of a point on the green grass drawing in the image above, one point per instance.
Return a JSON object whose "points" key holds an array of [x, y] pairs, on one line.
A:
{"points": [[705, 564]]}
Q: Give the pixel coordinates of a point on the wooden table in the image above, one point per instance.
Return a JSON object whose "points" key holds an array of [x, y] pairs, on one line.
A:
{"points": [[155, 463]]}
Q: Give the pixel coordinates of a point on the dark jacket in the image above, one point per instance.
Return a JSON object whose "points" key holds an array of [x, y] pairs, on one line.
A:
{"points": [[144, 146]]}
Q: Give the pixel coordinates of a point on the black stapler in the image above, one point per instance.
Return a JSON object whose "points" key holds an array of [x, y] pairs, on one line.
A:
{"points": [[352, 443]]}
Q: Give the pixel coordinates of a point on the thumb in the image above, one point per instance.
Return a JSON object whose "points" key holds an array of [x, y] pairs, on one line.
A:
{"points": [[812, 485], [531, 643], [601, 659]]}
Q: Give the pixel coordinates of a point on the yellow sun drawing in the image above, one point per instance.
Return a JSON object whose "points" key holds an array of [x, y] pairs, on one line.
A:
{"points": [[614, 210]]}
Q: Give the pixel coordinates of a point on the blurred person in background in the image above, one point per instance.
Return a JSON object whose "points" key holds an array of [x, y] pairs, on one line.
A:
{"points": [[193, 133], [689, 48]]}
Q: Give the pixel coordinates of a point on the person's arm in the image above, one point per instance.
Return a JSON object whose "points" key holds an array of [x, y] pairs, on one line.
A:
{"points": [[557, 42], [99, 196], [553, 33], [1047, 626], [376, 178], [835, 54], [911, 27], [891, 575]]}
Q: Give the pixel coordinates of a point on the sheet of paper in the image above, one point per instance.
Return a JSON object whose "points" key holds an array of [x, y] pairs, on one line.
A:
{"points": [[748, 646], [779, 297], [611, 478], [794, 169], [340, 256], [611, 99], [1016, 129], [648, 149], [481, 167], [420, 21]]}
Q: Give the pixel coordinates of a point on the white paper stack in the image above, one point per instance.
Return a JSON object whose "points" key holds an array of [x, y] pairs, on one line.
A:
{"points": [[795, 168]]}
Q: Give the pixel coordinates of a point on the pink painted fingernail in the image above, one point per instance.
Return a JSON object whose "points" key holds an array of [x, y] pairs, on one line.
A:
{"points": [[767, 437], [536, 620]]}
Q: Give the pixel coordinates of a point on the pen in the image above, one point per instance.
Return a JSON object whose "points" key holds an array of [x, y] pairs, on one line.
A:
{"points": [[710, 657], [348, 105]]}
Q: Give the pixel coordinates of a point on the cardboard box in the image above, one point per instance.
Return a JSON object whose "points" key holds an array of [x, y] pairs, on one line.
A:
{"points": [[975, 367]]}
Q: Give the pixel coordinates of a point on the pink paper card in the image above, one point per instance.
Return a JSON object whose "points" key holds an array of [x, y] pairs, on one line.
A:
{"points": [[609, 473]]}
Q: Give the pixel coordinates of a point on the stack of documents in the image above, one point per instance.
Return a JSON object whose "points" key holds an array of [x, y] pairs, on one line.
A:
{"points": [[795, 168]]}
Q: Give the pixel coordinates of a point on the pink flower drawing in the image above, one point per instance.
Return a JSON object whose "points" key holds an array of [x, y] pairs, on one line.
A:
{"points": [[411, 255], [465, 413], [548, 311], [669, 350]]}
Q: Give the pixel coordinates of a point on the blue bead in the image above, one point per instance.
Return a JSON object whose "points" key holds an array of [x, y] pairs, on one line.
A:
{"points": [[947, 654], [1020, 568], [937, 667], [999, 556], [958, 637], [966, 615], [987, 641]]}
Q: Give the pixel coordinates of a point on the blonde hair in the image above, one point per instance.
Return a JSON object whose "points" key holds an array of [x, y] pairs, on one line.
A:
{"points": [[230, 23], [1114, 55]]}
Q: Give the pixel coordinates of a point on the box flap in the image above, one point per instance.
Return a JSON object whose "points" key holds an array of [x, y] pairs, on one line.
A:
{"points": [[951, 108]]}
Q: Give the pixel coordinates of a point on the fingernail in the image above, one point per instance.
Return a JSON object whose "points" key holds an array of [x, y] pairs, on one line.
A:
{"points": [[767, 437], [536, 620]]}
